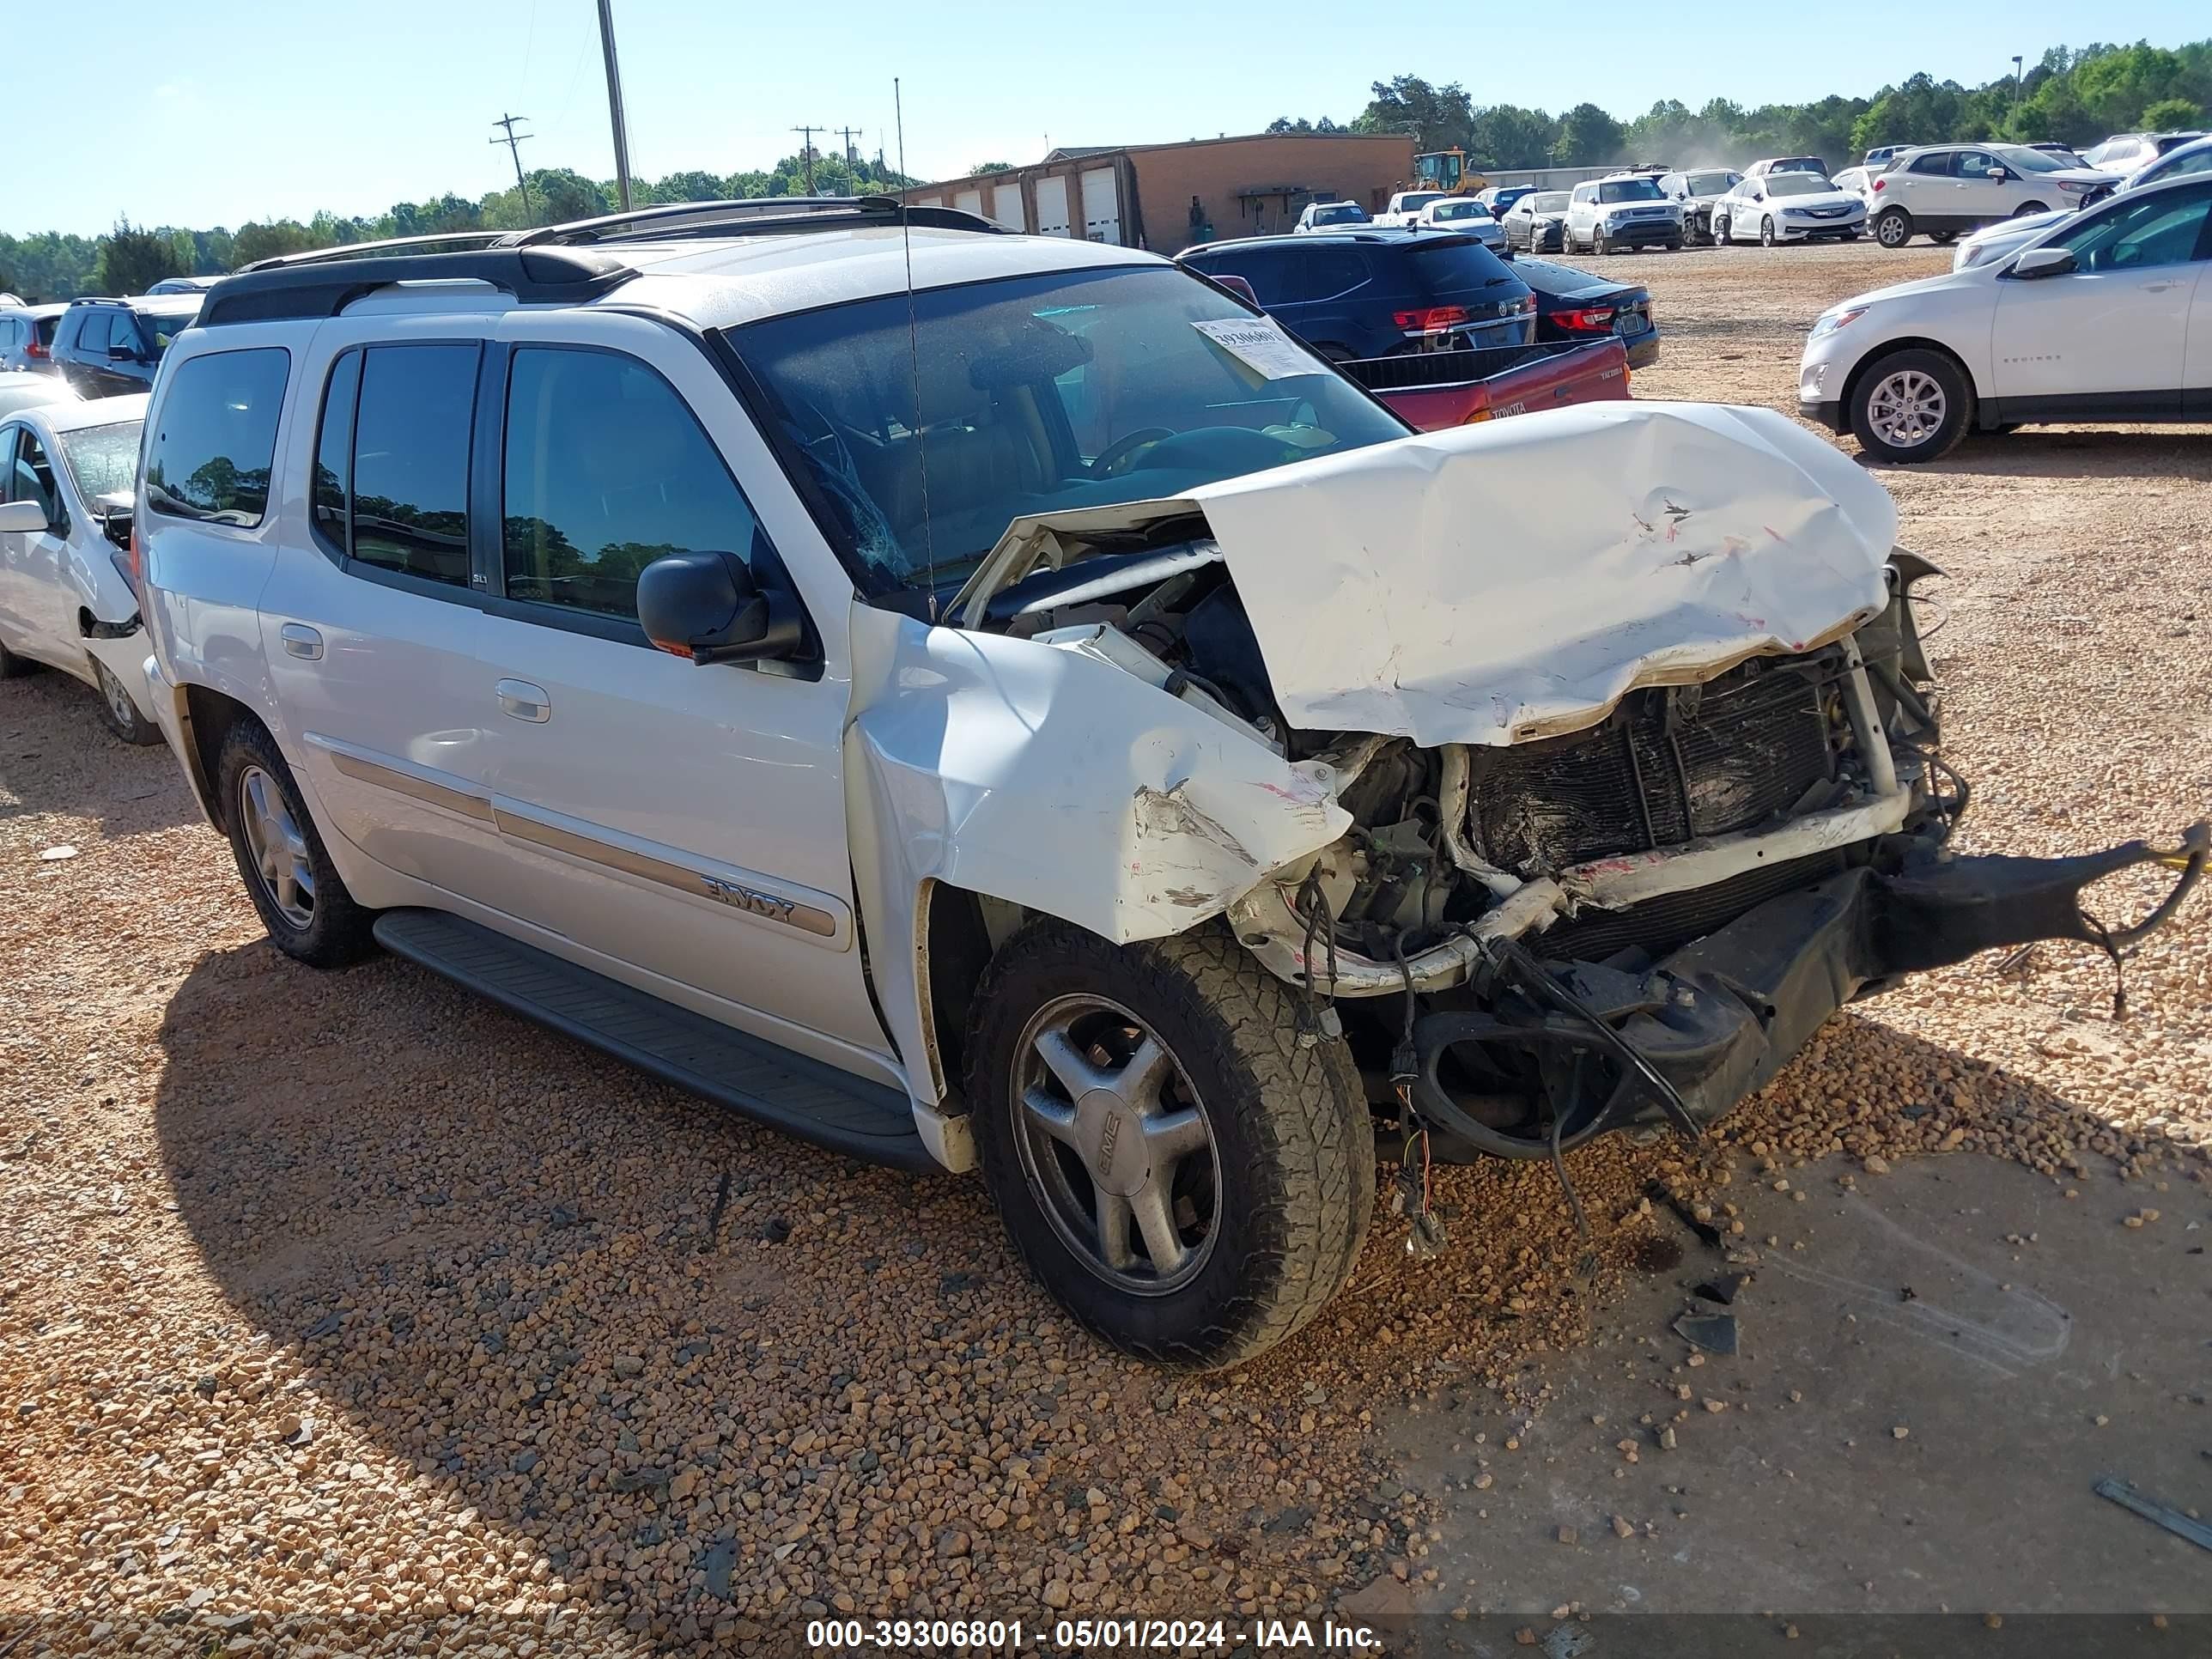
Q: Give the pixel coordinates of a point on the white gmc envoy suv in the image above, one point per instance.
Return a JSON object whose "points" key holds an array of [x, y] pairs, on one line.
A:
{"points": [[964, 697]]}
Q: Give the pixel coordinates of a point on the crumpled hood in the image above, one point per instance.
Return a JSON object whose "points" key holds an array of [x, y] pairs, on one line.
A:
{"points": [[1497, 583]]}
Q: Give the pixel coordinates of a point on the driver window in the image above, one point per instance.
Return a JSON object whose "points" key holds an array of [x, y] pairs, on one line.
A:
{"points": [[606, 469], [1972, 164], [2138, 235], [33, 476]]}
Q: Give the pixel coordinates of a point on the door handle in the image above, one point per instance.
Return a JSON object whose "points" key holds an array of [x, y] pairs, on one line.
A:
{"points": [[302, 641], [524, 701]]}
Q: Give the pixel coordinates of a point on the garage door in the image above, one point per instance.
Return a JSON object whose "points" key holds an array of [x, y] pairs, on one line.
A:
{"points": [[1007, 206], [1052, 207], [970, 201], [1101, 208]]}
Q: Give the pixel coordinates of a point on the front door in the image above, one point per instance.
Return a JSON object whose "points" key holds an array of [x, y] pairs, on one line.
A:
{"points": [[1978, 197], [31, 590], [2113, 331], [685, 823]]}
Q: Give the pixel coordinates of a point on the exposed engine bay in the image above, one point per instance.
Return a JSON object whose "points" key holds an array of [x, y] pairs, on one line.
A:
{"points": [[1624, 926]]}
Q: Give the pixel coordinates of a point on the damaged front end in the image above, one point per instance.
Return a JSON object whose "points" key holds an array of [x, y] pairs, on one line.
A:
{"points": [[1638, 792]]}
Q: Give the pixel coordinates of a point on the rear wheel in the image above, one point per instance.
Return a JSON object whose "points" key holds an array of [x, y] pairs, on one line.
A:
{"points": [[288, 874], [1911, 406], [1893, 227], [1189, 1179], [1942, 238]]}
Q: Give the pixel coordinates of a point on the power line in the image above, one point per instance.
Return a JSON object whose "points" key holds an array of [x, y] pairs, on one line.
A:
{"points": [[514, 142]]}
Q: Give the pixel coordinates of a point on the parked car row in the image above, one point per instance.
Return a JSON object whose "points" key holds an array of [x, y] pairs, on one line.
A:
{"points": [[101, 347]]}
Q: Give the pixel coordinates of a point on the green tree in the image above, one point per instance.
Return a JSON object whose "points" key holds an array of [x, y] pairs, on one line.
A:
{"points": [[131, 260], [1507, 136], [271, 241], [1588, 136], [693, 186], [1439, 118], [2170, 113], [991, 167]]}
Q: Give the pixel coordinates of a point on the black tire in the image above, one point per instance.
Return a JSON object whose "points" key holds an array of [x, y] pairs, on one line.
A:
{"points": [[1893, 227], [1721, 237], [1600, 248], [13, 667], [2027, 208], [119, 714], [1292, 1142], [1957, 414], [334, 932], [1850, 236], [1942, 238], [1766, 231]]}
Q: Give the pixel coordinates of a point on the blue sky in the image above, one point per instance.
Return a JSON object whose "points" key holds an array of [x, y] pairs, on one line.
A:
{"points": [[231, 110]]}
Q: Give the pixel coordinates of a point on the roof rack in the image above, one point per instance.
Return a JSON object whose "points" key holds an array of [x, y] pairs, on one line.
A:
{"points": [[311, 288], [778, 214], [460, 240]]}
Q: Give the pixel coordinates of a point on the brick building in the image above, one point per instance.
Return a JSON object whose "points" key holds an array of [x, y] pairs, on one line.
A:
{"points": [[1140, 194]]}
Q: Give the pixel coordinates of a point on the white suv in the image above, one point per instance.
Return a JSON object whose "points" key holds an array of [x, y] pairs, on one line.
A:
{"points": [[1628, 209], [1944, 189], [941, 692], [2105, 315]]}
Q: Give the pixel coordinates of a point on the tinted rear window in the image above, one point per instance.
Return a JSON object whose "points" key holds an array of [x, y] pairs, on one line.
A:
{"points": [[1454, 267], [214, 436]]}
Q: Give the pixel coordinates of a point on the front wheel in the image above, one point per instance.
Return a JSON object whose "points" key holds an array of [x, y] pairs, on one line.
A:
{"points": [[1721, 237], [288, 874], [1189, 1177], [1599, 247], [1893, 227], [1942, 238], [119, 713], [2027, 208], [1766, 233], [1910, 406]]}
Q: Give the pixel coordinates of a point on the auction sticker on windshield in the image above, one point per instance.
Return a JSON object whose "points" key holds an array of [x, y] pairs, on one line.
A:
{"points": [[1261, 347]]}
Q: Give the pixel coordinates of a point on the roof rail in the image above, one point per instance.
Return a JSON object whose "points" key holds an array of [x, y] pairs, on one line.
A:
{"points": [[460, 241], [548, 275], [778, 214]]}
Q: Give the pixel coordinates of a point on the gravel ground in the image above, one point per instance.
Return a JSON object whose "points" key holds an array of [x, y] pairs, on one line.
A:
{"points": [[347, 1313]]}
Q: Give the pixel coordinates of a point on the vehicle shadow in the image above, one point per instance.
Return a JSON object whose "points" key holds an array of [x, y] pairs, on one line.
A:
{"points": [[598, 1318], [2178, 452], [57, 757]]}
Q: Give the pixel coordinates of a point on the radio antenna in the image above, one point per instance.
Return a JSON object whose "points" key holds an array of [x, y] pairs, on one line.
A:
{"points": [[913, 357]]}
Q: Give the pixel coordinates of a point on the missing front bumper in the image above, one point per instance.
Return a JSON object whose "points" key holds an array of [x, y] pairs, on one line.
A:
{"points": [[1720, 1016]]}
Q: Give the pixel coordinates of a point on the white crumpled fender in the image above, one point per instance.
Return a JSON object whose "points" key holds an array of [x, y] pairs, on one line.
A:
{"points": [[1051, 778], [1497, 583]]}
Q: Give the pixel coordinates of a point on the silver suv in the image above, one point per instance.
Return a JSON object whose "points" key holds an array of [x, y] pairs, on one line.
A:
{"points": [[944, 693]]}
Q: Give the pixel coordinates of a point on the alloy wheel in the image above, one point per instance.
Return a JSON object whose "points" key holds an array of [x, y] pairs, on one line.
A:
{"points": [[116, 698], [279, 850], [1907, 408], [1891, 230], [1115, 1145]]}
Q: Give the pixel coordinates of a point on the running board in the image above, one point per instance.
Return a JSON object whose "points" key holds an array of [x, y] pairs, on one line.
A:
{"points": [[751, 1077]]}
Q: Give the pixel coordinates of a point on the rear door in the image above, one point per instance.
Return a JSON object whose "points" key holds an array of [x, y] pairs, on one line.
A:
{"points": [[2114, 333]]}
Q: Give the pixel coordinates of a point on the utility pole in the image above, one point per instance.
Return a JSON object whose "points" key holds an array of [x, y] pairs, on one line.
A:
{"points": [[615, 102], [848, 134], [512, 141], [807, 152]]}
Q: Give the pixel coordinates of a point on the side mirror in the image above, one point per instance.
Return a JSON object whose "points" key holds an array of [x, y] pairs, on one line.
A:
{"points": [[121, 354], [1998, 173], [112, 512], [21, 518], [706, 607], [2042, 261], [1238, 286]]}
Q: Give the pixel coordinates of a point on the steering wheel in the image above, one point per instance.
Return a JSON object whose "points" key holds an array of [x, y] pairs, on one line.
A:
{"points": [[1123, 447]]}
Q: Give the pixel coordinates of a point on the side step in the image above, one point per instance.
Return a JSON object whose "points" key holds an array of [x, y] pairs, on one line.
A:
{"points": [[757, 1079]]}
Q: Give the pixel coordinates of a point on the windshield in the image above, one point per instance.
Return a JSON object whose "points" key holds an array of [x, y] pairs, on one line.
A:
{"points": [[1645, 189], [1551, 201], [1037, 394], [1414, 200], [2024, 159], [1797, 184], [1338, 212], [162, 327], [103, 459]]}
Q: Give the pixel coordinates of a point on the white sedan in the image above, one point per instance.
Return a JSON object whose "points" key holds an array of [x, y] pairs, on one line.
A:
{"points": [[65, 593], [2105, 317], [1787, 207], [1463, 213]]}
